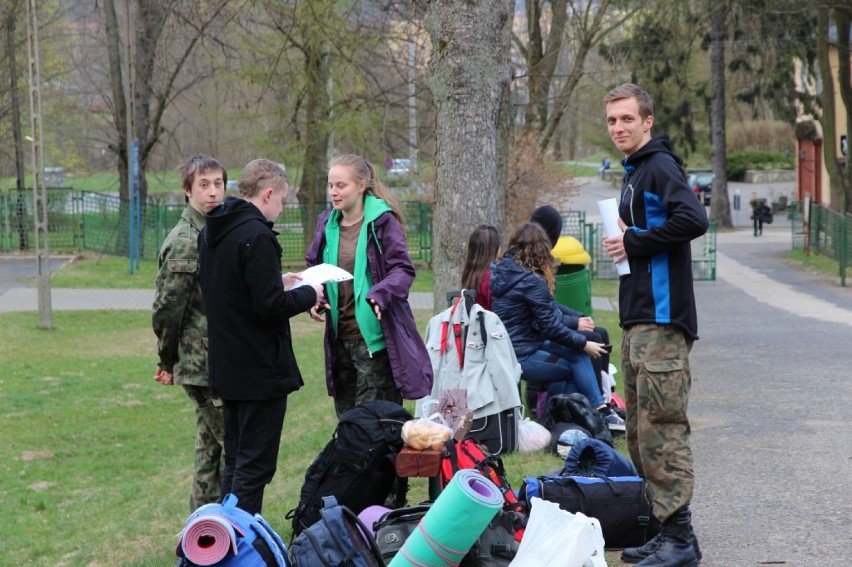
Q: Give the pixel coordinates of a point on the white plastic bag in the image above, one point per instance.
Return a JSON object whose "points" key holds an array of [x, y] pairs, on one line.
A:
{"points": [[557, 538], [532, 436], [608, 382]]}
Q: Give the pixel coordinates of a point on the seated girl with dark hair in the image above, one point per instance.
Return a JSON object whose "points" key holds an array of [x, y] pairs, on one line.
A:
{"points": [[522, 284], [483, 247]]}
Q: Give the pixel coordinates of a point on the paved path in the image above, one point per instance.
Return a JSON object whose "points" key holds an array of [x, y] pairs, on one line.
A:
{"points": [[770, 410]]}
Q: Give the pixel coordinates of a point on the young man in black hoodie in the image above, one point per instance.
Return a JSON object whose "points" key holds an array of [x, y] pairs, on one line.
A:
{"points": [[249, 303], [660, 216]]}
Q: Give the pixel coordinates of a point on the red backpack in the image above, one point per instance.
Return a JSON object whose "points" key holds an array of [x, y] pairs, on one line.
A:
{"points": [[467, 454]]}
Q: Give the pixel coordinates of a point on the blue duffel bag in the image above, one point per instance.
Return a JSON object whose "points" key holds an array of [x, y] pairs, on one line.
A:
{"points": [[618, 503]]}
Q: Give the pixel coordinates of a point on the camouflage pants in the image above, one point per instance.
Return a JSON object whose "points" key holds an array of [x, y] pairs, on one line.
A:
{"points": [[655, 365], [209, 451], [361, 377]]}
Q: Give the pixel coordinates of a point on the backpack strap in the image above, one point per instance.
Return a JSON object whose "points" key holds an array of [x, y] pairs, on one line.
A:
{"points": [[272, 539]]}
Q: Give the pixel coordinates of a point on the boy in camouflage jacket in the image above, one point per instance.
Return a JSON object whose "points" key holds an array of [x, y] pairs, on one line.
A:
{"points": [[181, 326]]}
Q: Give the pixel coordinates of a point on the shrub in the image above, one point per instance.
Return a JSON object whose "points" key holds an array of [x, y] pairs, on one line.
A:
{"points": [[760, 135], [739, 162]]}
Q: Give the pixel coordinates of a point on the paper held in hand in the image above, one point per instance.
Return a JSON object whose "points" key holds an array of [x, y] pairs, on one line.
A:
{"points": [[321, 274], [609, 215]]}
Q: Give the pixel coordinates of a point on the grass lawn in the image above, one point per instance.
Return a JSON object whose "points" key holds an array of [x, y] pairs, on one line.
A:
{"points": [[818, 263], [97, 457]]}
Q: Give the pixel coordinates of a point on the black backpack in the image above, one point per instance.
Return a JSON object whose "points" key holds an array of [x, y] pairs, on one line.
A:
{"points": [[357, 466], [575, 408]]}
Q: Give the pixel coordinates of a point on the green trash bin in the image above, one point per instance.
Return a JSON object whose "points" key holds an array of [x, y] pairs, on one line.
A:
{"points": [[574, 287]]}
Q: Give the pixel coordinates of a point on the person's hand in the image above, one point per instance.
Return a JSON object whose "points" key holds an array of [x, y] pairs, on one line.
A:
{"points": [[289, 279], [376, 309], [318, 311], [163, 377], [586, 324], [614, 245], [594, 350]]}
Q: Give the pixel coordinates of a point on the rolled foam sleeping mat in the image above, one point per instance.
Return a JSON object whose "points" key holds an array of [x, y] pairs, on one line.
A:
{"points": [[372, 514], [208, 539], [453, 524]]}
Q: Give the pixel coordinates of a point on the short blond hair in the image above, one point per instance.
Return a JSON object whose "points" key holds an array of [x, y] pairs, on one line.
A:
{"points": [[260, 174], [629, 90]]}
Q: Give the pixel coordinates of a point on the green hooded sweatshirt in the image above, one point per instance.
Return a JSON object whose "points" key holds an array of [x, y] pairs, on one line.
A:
{"points": [[368, 323]]}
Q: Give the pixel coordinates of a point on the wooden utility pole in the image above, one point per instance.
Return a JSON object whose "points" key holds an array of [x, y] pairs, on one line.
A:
{"points": [[45, 314]]}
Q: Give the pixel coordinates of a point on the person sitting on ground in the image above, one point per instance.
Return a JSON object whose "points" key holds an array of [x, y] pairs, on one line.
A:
{"points": [[551, 221], [522, 284]]}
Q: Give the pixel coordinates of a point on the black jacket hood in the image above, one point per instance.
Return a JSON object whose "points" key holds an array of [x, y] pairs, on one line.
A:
{"points": [[655, 145], [224, 218]]}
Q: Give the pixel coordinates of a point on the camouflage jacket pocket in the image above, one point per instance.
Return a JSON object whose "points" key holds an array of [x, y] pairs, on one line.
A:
{"points": [[664, 364], [183, 265]]}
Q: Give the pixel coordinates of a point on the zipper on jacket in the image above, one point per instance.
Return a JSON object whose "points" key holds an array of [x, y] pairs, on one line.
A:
{"points": [[629, 188]]}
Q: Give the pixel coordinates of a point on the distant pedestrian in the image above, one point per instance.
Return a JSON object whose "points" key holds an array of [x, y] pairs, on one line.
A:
{"points": [[760, 213], [605, 165], [388, 162], [659, 216], [181, 326], [249, 304]]}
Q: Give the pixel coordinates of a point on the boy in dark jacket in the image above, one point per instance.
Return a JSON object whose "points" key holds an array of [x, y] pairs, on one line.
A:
{"points": [[249, 304], [660, 216]]}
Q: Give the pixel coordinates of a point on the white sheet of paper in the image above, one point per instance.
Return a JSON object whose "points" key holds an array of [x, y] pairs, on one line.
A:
{"points": [[321, 274], [608, 209]]}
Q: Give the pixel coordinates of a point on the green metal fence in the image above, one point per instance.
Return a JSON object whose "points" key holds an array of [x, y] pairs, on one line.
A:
{"points": [[829, 234], [591, 237], [703, 255], [98, 222]]}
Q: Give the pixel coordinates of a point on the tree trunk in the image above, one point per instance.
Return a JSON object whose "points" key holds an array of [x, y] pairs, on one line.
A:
{"points": [[312, 191], [469, 78], [720, 210], [536, 82], [119, 100], [150, 22], [829, 116], [15, 101]]}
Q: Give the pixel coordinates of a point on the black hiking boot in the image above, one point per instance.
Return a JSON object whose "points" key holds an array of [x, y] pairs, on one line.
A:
{"points": [[637, 554], [674, 547]]}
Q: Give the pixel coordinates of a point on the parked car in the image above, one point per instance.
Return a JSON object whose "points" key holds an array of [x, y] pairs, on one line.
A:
{"points": [[400, 170], [702, 185]]}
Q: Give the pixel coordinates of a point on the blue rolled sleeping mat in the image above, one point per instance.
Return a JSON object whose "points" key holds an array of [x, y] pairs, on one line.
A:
{"points": [[591, 457]]}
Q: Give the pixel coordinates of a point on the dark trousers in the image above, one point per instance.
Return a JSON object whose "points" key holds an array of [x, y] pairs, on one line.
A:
{"points": [[252, 436], [534, 393], [599, 335]]}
